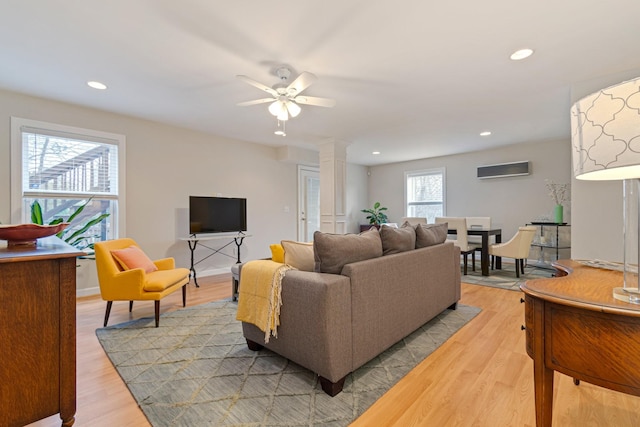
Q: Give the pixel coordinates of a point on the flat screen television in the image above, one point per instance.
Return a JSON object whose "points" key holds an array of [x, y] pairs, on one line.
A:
{"points": [[217, 214]]}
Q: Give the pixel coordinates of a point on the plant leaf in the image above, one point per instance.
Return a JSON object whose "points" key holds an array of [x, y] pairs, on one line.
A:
{"points": [[79, 210], [36, 213], [85, 227]]}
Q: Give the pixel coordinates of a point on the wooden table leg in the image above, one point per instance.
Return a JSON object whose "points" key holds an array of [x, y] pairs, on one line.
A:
{"points": [[543, 381], [484, 261]]}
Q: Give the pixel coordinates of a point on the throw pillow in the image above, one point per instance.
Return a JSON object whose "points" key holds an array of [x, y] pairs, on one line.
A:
{"points": [[431, 234], [334, 251], [298, 255], [277, 253], [396, 240], [133, 257]]}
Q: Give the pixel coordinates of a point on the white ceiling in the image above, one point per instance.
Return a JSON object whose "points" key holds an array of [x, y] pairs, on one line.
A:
{"points": [[411, 79]]}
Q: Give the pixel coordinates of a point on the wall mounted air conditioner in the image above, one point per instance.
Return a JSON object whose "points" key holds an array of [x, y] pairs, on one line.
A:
{"points": [[503, 170]]}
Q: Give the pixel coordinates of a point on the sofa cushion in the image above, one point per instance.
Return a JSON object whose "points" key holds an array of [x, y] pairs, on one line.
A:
{"points": [[298, 255], [133, 257], [334, 251], [396, 240], [430, 234]]}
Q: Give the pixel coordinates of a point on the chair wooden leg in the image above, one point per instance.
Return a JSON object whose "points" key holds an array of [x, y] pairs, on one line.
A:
{"points": [[473, 260], [465, 264], [522, 266], [130, 306], [106, 314], [184, 295], [517, 268], [157, 313]]}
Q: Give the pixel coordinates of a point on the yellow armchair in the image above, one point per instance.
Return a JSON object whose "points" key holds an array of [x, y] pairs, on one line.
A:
{"points": [[135, 284]]}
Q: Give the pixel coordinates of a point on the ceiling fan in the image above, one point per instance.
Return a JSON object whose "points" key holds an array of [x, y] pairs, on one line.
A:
{"points": [[286, 97]]}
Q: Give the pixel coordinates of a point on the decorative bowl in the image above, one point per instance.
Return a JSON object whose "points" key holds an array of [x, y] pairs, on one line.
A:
{"points": [[27, 234]]}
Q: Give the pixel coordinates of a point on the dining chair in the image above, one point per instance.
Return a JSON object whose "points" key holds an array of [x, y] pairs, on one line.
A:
{"points": [[479, 222], [517, 248], [413, 220], [461, 240]]}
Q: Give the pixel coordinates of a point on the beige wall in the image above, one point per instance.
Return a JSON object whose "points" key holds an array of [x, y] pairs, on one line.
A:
{"points": [[510, 201], [165, 165]]}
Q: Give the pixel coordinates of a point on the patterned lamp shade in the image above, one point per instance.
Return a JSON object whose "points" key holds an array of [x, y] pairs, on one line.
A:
{"points": [[606, 133]]}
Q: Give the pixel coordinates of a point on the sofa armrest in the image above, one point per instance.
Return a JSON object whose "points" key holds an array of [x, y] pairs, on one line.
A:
{"points": [[315, 323]]}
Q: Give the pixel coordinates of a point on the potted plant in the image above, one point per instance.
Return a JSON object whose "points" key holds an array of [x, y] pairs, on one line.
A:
{"points": [[376, 215], [77, 238]]}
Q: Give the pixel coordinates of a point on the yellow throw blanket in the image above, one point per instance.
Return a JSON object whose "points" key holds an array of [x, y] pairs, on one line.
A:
{"points": [[259, 295]]}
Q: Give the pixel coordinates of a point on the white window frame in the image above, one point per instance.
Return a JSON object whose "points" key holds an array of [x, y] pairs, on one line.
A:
{"points": [[16, 203], [432, 171]]}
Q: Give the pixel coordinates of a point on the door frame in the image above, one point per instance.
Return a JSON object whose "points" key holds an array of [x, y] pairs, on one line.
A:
{"points": [[302, 171]]}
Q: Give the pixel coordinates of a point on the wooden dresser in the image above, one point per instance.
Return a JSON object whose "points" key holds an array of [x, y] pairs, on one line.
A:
{"points": [[575, 326], [38, 332]]}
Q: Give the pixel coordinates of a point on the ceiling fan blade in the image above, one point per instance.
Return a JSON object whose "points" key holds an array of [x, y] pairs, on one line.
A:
{"points": [[258, 85], [255, 102], [302, 82], [314, 100]]}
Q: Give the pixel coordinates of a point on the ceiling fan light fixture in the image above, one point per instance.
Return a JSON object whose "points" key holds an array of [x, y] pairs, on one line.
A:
{"points": [[283, 115], [276, 108], [293, 108]]}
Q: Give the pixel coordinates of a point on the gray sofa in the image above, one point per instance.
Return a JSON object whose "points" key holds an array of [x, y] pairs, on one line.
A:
{"points": [[333, 323]]}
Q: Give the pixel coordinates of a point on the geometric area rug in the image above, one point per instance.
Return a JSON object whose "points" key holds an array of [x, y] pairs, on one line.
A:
{"points": [[196, 370], [506, 277]]}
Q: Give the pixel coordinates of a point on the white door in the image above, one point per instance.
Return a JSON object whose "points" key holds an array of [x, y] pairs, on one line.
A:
{"points": [[308, 202]]}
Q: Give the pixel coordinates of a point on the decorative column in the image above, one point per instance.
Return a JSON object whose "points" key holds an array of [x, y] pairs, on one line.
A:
{"points": [[333, 187]]}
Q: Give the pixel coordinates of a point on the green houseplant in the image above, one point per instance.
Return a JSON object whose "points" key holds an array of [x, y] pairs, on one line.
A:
{"points": [[376, 215], [76, 237]]}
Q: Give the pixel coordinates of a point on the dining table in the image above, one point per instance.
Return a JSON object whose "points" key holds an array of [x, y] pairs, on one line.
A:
{"points": [[485, 233]]}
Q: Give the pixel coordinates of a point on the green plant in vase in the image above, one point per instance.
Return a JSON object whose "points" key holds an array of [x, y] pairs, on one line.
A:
{"points": [[559, 193], [376, 215]]}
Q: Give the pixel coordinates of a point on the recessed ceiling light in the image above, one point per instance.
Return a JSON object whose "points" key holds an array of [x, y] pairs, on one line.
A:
{"points": [[97, 85], [485, 133], [521, 54], [376, 152]]}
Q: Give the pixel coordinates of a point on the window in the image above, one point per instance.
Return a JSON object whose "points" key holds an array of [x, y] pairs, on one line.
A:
{"points": [[424, 191], [62, 168]]}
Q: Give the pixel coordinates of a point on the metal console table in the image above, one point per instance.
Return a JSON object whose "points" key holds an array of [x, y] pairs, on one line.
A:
{"points": [[194, 240], [551, 242]]}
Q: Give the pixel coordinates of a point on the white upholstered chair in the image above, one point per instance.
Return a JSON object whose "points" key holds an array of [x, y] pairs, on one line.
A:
{"points": [[479, 222], [517, 248], [413, 220], [460, 225]]}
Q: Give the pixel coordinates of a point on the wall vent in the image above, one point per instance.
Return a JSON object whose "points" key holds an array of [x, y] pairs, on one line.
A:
{"points": [[503, 170]]}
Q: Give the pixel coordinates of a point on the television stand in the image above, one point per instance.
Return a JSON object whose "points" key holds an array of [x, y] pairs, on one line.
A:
{"points": [[194, 240]]}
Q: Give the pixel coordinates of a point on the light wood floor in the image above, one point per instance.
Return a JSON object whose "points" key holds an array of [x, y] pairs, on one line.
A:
{"points": [[482, 376]]}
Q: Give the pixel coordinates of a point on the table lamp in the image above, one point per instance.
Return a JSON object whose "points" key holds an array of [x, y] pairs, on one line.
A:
{"points": [[606, 146]]}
